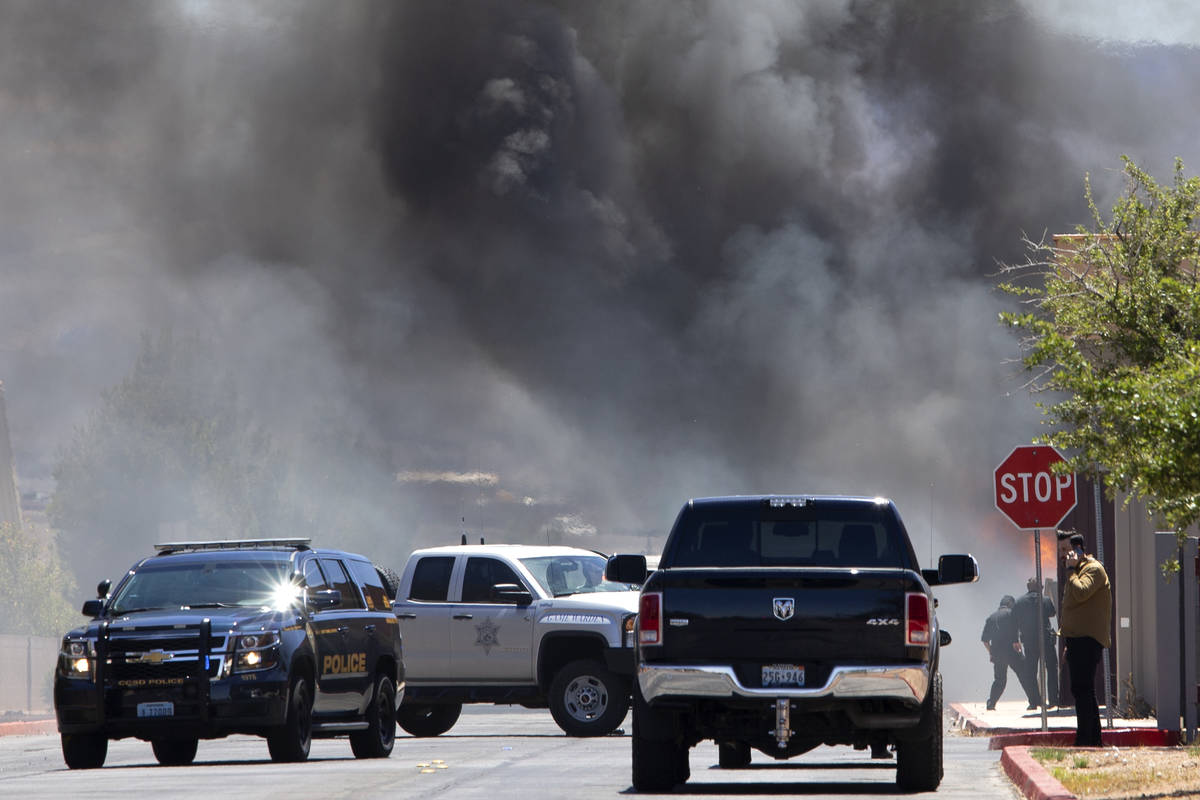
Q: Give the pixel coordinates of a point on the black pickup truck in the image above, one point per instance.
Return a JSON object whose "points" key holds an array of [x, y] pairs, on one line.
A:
{"points": [[782, 623]]}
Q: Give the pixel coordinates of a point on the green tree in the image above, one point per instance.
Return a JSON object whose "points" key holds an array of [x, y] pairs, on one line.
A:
{"points": [[34, 586], [1111, 336], [170, 451]]}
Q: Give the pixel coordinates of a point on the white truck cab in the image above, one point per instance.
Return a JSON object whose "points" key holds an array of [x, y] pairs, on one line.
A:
{"points": [[515, 624]]}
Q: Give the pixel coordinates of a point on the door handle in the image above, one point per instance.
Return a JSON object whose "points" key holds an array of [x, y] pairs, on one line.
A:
{"points": [[370, 629], [464, 616], [406, 615], [342, 628]]}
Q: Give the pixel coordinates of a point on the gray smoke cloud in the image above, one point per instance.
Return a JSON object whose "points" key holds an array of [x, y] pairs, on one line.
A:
{"points": [[566, 264]]}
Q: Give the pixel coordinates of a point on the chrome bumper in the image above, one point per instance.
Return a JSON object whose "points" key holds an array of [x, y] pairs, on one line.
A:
{"points": [[905, 683]]}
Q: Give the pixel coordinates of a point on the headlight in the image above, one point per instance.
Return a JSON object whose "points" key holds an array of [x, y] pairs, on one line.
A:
{"points": [[76, 658], [629, 630], [254, 651]]}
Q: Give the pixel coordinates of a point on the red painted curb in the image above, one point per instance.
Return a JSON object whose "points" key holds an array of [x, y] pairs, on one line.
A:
{"points": [[1119, 737], [1030, 777], [28, 727]]}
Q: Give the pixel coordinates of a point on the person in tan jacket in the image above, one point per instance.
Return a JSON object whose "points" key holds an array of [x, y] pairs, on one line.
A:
{"points": [[1085, 623]]}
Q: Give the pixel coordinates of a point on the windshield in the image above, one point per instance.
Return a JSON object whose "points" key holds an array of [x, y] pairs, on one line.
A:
{"points": [[828, 535], [206, 584], [573, 574]]}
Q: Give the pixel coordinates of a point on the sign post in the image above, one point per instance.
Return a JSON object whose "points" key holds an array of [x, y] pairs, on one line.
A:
{"points": [[1031, 494]]}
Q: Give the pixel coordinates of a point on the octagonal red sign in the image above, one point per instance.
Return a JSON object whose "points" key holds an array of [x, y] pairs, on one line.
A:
{"points": [[1029, 492]]}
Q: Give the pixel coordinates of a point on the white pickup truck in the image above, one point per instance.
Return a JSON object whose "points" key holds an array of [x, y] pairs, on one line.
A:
{"points": [[515, 624]]}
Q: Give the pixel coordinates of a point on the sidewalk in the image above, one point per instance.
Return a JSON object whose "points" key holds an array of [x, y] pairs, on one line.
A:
{"points": [[1014, 730]]}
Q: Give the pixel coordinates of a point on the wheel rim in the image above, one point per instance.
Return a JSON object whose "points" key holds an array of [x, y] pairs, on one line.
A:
{"points": [[586, 698], [387, 719], [304, 717]]}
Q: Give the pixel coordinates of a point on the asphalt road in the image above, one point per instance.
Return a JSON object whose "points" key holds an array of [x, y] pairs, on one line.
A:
{"points": [[493, 753]]}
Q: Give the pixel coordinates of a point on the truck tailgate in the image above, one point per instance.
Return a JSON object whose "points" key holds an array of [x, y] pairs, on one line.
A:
{"points": [[815, 617]]}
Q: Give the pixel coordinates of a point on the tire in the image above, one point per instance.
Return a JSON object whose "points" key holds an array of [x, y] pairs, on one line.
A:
{"points": [[428, 719], [293, 740], [379, 737], [84, 750], [588, 699], [660, 760], [174, 752], [919, 760], [733, 755]]}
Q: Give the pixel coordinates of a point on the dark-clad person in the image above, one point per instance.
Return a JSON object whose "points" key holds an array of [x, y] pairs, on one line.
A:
{"points": [[1084, 624], [1001, 640], [1029, 627]]}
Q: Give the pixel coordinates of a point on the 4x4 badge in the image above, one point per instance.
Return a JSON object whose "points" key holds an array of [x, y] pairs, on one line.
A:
{"points": [[785, 607]]}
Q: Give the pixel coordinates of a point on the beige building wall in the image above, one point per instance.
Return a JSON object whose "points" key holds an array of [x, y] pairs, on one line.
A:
{"points": [[1134, 598]]}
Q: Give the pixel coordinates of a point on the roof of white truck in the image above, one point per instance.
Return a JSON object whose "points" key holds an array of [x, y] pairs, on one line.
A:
{"points": [[510, 550]]}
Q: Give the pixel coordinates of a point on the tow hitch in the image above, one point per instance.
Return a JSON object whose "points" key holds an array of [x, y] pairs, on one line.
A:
{"points": [[783, 722]]}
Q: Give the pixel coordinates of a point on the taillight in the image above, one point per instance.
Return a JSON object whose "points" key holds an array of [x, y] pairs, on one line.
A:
{"points": [[649, 620], [917, 628]]}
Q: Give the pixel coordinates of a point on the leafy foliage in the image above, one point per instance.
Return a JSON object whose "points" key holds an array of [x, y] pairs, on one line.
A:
{"points": [[168, 449], [33, 585], [1113, 334]]}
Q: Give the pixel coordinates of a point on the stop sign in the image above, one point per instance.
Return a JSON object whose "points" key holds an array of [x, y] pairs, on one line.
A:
{"points": [[1029, 493]]}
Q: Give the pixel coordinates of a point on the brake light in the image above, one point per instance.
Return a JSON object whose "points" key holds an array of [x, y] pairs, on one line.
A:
{"points": [[917, 627], [649, 620]]}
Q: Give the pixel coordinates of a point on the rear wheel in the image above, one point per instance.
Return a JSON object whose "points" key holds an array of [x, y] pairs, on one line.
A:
{"points": [[588, 699], [174, 752], [379, 737], [428, 719], [919, 760], [660, 759], [733, 755], [84, 750], [293, 741]]}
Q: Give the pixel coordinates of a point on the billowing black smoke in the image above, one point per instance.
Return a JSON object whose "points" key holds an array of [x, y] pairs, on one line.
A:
{"points": [[560, 266]]}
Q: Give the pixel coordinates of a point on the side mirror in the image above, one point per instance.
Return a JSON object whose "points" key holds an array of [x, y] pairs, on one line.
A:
{"points": [[92, 608], [953, 569], [324, 598], [626, 568], [511, 593], [102, 588]]}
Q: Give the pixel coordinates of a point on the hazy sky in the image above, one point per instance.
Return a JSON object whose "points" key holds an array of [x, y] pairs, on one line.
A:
{"points": [[571, 263]]}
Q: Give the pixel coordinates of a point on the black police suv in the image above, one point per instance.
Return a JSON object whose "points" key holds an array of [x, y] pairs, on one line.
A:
{"points": [[269, 637]]}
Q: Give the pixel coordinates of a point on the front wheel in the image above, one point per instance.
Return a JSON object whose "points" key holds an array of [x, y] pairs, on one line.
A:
{"points": [[377, 740], [293, 741], [428, 719], [84, 750], [588, 699], [174, 752]]}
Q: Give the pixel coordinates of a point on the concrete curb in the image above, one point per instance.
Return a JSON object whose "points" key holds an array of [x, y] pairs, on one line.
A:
{"points": [[29, 727], [1030, 777]]}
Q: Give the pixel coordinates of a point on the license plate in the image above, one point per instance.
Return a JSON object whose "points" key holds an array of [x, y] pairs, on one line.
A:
{"points": [[782, 675], [156, 709]]}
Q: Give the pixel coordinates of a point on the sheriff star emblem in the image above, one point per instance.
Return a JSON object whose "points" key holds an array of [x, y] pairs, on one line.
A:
{"points": [[487, 635]]}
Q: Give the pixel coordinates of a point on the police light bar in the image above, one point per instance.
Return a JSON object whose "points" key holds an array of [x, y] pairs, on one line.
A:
{"points": [[232, 544]]}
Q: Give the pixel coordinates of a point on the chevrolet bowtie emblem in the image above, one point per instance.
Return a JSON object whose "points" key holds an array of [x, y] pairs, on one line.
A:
{"points": [[153, 657]]}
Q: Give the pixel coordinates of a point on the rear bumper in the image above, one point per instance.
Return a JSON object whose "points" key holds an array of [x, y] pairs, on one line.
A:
{"points": [[906, 683]]}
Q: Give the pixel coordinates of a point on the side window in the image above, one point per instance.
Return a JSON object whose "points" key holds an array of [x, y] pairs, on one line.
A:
{"points": [[372, 585], [431, 579], [481, 575], [340, 581], [313, 578]]}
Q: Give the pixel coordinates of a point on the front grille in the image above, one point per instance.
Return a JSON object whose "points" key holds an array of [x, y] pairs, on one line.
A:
{"points": [[160, 656]]}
